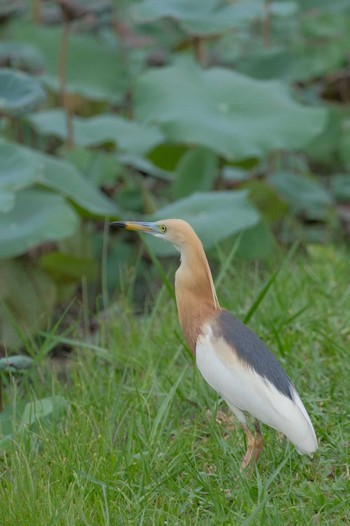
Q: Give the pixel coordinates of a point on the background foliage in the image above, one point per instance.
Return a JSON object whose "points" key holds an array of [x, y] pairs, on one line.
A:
{"points": [[234, 115], [133, 109]]}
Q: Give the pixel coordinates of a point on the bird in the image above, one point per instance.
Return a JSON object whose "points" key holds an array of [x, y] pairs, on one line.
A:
{"points": [[231, 357]]}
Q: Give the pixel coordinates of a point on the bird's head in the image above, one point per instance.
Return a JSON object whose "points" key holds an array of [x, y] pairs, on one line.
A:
{"points": [[176, 231]]}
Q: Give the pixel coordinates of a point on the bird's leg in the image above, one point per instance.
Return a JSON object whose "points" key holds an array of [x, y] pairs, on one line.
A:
{"points": [[254, 447], [259, 442], [248, 459]]}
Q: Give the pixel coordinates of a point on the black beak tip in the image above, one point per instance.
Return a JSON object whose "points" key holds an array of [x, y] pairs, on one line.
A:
{"points": [[117, 224]]}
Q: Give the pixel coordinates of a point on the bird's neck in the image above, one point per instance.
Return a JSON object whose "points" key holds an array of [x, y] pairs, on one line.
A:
{"points": [[196, 297]]}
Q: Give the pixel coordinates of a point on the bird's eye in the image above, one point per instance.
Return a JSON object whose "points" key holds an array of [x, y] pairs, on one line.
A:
{"points": [[163, 229]]}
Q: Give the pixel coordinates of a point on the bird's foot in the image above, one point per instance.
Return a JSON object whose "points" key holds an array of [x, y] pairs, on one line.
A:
{"points": [[254, 449]]}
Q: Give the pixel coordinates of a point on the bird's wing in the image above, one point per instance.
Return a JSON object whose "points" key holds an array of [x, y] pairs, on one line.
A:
{"points": [[239, 383]]}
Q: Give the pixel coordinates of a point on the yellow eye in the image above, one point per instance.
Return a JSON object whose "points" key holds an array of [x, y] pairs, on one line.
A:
{"points": [[163, 229]]}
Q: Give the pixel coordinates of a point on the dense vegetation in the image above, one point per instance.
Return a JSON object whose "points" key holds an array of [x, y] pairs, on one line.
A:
{"points": [[136, 109], [146, 441], [232, 115]]}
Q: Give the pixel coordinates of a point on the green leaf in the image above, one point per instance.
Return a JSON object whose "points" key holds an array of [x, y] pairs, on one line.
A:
{"points": [[37, 216], [300, 59], [301, 63], [267, 201], [52, 406], [21, 56], [283, 8], [214, 216], [196, 171], [7, 200], [166, 156], [257, 242], [68, 268], [9, 8], [27, 299], [303, 194], [144, 165], [100, 168], [131, 198], [94, 70], [15, 363], [17, 167], [61, 176], [337, 6], [19, 93], [232, 114], [340, 187], [23, 167], [325, 146], [208, 17], [344, 144], [126, 135], [325, 25]]}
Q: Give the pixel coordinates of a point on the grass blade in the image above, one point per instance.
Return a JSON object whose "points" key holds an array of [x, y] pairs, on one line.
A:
{"points": [[158, 265], [160, 419], [266, 287], [228, 261]]}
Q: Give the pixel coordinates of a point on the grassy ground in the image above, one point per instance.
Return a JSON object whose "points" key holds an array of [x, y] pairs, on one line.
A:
{"points": [[145, 441]]}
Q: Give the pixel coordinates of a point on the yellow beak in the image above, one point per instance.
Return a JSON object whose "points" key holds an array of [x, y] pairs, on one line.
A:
{"points": [[140, 226]]}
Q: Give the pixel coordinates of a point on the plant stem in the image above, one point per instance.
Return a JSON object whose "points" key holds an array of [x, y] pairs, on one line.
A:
{"points": [[267, 24], [62, 81], [37, 11], [199, 50]]}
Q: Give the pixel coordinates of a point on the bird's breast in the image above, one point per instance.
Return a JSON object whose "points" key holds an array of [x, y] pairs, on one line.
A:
{"points": [[193, 317]]}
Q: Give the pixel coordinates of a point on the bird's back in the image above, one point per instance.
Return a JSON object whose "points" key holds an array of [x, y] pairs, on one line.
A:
{"points": [[237, 364]]}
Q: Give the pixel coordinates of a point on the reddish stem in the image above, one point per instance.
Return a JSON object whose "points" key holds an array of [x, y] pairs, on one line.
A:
{"points": [[37, 11], [199, 50]]}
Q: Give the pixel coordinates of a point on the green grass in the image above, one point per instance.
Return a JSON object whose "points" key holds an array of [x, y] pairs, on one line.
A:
{"points": [[141, 445]]}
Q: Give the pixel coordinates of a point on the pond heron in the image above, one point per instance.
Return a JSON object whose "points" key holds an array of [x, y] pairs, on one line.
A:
{"points": [[230, 357]]}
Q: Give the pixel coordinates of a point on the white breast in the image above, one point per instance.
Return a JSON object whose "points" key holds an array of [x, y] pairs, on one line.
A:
{"points": [[242, 388]]}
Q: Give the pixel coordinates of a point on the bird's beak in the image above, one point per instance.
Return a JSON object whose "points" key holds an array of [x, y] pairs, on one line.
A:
{"points": [[140, 226]]}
